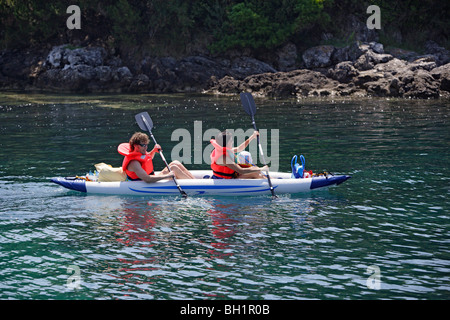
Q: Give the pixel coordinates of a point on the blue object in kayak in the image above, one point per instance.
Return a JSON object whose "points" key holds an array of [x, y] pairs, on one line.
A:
{"points": [[297, 169]]}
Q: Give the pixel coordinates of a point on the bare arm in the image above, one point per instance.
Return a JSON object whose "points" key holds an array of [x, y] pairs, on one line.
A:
{"points": [[136, 167], [232, 165], [245, 143], [155, 149]]}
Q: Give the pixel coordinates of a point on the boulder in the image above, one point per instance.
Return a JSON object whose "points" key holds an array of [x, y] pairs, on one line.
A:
{"points": [[81, 69], [318, 57], [442, 74], [441, 55], [65, 56], [376, 47], [343, 72], [423, 86], [286, 57], [281, 84], [369, 59], [242, 67]]}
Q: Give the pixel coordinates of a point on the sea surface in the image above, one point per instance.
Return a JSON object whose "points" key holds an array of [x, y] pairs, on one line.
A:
{"points": [[383, 234]]}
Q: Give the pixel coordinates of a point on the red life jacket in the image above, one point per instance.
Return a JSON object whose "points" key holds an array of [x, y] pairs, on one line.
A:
{"points": [[219, 170], [145, 160]]}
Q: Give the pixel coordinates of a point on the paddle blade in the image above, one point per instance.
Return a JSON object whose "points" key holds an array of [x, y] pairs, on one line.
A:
{"points": [[144, 121], [248, 103]]}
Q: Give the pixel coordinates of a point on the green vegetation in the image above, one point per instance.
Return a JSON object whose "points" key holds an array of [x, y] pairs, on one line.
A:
{"points": [[177, 26], [267, 24]]}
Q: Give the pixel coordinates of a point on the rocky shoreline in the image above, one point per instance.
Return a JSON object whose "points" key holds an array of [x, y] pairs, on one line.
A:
{"points": [[360, 69]]}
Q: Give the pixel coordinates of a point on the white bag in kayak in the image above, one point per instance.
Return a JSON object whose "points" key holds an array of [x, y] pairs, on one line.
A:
{"points": [[106, 173]]}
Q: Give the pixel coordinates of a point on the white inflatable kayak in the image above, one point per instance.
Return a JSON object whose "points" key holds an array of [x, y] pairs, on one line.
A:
{"points": [[204, 185]]}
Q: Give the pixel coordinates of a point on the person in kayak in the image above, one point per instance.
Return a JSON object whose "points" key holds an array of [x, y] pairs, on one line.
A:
{"points": [[138, 163], [222, 159]]}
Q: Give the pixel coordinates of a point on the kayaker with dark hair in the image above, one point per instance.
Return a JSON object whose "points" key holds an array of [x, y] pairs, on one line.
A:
{"points": [[138, 163], [222, 159]]}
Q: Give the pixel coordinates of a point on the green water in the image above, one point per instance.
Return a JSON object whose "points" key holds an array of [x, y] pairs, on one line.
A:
{"points": [[384, 234]]}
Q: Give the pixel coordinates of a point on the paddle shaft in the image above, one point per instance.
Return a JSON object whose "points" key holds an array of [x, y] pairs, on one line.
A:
{"points": [[183, 193], [263, 158]]}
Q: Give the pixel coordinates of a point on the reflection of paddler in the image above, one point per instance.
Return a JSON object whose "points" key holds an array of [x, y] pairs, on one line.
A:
{"points": [[224, 228], [223, 155], [138, 163]]}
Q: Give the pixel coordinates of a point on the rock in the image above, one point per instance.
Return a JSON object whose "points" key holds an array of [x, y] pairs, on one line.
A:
{"points": [[367, 76], [394, 88], [124, 72], [140, 83], [242, 67], [374, 74], [287, 57], [442, 55], [359, 30], [364, 62], [358, 69], [343, 72], [403, 54], [426, 63], [318, 57], [340, 55], [82, 70], [19, 67], [193, 73], [442, 74], [281, 84], [65, 56], [355, 50], [227, 84], [103, 73], [423, 86], [369, 59], [74, 79], [376, 47]]}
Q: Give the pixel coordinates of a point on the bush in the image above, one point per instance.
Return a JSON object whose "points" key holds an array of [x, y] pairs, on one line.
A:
{"points": [[173, 26], [267, 24]]}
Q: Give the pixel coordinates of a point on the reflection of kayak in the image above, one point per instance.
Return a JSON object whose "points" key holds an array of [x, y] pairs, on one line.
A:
{"points": [[282, 183]]}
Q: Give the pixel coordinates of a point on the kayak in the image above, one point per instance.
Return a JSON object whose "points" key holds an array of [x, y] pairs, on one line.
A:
{"points": [[203, 184]]}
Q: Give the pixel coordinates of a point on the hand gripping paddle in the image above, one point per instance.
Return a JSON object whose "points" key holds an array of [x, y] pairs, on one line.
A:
{"points": [[250, 107], [145, 123]]}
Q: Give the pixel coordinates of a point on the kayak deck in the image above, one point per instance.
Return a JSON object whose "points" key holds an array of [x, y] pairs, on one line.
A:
{"points": [[204, 185]]}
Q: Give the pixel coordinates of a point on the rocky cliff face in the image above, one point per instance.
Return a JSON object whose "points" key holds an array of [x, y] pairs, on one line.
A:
{"points": [[359, 69]]}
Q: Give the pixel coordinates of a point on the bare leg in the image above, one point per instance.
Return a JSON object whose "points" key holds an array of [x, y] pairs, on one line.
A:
{"points": [[179, 170], [253, 175]]}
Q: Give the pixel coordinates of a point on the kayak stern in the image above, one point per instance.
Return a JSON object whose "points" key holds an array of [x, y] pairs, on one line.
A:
{"points": [[71, 183]]}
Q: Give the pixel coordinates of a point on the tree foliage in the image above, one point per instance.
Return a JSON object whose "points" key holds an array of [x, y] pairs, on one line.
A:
{"points": [[267, 24], [225, 24]]}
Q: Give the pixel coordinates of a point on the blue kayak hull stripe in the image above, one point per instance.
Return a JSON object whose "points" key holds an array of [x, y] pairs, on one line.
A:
{"points": [[174, 188]]}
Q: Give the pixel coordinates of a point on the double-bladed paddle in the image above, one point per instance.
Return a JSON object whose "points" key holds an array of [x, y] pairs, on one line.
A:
{"points": [[145, 123], [250, 107]]}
